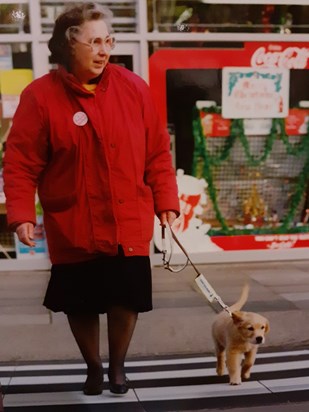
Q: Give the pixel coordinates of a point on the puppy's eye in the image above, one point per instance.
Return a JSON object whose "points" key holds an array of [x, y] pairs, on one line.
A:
{"points": [[250, 328], [263, 327]]}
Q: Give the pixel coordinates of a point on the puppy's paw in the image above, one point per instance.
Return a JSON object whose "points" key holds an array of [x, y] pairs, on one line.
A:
{"points": [[235, 382], [220, 371], [246, 375]]}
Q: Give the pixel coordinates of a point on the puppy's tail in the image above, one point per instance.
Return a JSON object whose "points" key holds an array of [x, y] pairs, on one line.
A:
{"points": [[242, 300]]}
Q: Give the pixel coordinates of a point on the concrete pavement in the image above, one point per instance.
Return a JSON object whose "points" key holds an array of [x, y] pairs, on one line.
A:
{"points": [[180, 323]]}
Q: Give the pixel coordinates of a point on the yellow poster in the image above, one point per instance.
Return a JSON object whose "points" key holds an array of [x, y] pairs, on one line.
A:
{"points": [[12, 82]]}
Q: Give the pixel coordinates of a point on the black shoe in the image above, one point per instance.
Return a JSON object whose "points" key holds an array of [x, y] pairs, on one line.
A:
{"points": [[93, 384], [119, 388], [91, 390]]}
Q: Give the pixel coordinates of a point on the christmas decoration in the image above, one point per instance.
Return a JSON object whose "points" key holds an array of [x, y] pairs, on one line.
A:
{"points": [[207, 163], [254, 208]]}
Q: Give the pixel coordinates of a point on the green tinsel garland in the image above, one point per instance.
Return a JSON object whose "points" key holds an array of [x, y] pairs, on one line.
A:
{"points": [[269, 141], [206, 171], [203, 162], [229, 143]]}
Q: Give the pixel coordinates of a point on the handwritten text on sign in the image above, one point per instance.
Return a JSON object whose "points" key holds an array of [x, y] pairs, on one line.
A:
{"points": [[254, 92]]}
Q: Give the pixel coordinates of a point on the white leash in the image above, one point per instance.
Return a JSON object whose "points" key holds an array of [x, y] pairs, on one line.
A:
{"points": [[200, 279]]}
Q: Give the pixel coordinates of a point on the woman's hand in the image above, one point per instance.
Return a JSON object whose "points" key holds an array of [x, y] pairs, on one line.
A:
{"points": [[25, 233], [167, 218]]}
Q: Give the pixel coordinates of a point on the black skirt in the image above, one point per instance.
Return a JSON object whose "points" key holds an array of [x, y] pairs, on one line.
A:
{"points": [[95, 285]]}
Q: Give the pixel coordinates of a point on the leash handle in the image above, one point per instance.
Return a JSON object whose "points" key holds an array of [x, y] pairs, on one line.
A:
{"points": [[205, 287], [166, 262]]}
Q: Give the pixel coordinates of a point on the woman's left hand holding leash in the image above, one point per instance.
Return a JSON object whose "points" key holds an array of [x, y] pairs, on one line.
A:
{"points": [[167, 217]]}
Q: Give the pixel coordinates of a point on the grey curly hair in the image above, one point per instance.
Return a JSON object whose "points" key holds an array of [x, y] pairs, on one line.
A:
{"points": [[74, 16]]}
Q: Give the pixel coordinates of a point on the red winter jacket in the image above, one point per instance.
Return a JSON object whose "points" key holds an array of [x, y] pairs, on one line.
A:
{"points": [[100, 177]]}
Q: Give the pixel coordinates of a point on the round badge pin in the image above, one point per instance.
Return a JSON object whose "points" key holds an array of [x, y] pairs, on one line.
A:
{"points": [[80, 118]]}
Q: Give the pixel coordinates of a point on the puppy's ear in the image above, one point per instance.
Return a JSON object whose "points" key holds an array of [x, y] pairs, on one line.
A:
{"points": [[237, 318], [267, 327]]}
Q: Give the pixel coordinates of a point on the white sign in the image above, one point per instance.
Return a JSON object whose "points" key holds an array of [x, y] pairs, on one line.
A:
{"points": [[255, 93]]}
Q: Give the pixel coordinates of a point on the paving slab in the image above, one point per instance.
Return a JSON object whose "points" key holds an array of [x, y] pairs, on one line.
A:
{"points": [[180, 322]]}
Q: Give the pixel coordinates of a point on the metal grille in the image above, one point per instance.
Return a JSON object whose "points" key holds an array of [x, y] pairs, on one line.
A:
{"points": [[7, 241], [274, 180]]}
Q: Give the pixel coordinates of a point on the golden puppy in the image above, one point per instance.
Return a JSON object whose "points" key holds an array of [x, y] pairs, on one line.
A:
{"points": [[237, 339]]}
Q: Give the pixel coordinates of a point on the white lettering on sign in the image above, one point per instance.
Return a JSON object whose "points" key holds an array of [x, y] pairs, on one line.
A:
{"points": [[289, 58], [281, 245], [287, 241]]}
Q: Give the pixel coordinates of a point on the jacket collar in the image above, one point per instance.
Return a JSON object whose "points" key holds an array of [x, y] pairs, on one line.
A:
{"points": [[71, 81]]}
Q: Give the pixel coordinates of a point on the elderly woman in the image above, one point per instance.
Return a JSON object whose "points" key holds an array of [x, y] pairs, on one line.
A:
{"points": [[88, 138]]}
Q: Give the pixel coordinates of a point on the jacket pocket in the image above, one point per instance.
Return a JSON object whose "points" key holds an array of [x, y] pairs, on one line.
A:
{"points": [[58, 203]]}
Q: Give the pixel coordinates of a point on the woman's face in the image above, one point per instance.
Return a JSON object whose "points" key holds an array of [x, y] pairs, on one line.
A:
{"points": [[91, 49]]}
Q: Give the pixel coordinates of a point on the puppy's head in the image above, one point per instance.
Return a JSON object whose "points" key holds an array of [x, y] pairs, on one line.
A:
{"points": [[252, 327]]}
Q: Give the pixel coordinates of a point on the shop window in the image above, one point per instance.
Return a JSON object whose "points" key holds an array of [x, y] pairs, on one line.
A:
{"points": [[15, 74], [122, 60], [240, 180], [207, 16], [14, 18], [124, 20]]}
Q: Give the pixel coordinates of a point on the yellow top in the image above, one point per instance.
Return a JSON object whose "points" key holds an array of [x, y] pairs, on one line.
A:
{"points": [[90, 87]]}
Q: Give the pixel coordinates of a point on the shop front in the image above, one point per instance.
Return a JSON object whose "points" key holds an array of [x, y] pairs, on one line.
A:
{"points": [[240, 122], [231, 83]]}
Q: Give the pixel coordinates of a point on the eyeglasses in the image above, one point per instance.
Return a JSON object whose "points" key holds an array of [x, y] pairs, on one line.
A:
{"points": [[97, 44]]}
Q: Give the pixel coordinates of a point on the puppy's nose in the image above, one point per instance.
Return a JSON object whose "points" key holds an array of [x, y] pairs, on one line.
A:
{"points": [[259, 339]]}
